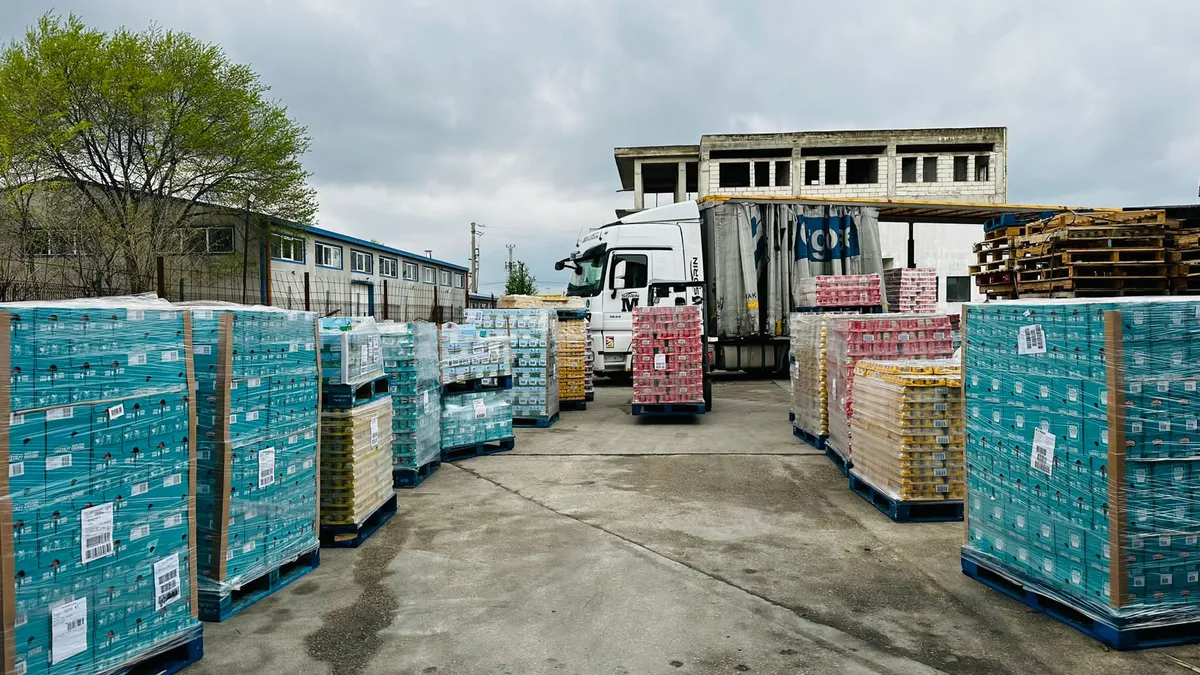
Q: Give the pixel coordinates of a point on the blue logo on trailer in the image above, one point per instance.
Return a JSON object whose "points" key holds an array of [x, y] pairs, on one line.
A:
{"points": [[821, 239]]}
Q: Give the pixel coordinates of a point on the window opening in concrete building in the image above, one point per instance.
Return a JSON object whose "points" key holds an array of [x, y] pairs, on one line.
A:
{"points": [[733, 174], [908, 169], [428, 275], [360, 261], [287, 248], [958, 289], [862, 170], [460, 279], [960, 168], [387, 267], [410, 271], [783, 173], [812, 172], [981, 168], [833, 171], [445, 277], [328, 256], [930, 170], [762, 174]]}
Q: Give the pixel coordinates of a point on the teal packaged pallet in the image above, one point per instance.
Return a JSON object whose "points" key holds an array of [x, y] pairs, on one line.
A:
{"points": [[1082, 454], [257, 398], [97, 507], [533, 333], [476, 423], [410, 358], [468, 356]]}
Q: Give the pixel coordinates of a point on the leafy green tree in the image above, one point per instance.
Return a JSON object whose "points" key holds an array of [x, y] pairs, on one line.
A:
{"points": [[520, 281], [143, 133]]}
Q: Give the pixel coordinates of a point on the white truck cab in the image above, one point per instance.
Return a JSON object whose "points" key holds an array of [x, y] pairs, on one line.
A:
{"points": [[612, 267]]}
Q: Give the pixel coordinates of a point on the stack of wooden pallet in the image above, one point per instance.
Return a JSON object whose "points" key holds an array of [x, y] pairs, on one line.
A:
{"points": [[1184, 256], [1094, 254]]}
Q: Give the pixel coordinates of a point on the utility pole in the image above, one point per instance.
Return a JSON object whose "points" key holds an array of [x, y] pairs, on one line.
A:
{"points": [[509, 265], [476, 231]]}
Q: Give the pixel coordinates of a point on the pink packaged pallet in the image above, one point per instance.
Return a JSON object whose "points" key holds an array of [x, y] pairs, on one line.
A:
{"points": [[911, 289], [845, 290], [668, 355]]}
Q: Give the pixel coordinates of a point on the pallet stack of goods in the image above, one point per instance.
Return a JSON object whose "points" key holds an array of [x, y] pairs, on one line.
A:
{"points": [[810, 417], [908, 438], [98, 522], [257, 401], [477, 381], [356, 433], [589, 361], [573, 366], [1081, 467], [668, 361], [840, 290], [911, 290], [410, 359], [534, 336], [885, 337], [1183, 254]]}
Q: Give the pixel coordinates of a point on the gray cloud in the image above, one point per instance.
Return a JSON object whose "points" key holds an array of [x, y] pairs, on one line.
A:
{"points": [[427, 115]]}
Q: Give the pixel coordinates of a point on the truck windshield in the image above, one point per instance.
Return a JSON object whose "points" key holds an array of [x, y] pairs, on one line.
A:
{"points": [[588, 278]]}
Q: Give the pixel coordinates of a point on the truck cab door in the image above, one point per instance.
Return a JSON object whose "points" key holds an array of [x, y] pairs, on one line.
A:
{"points": [[628, 287]]}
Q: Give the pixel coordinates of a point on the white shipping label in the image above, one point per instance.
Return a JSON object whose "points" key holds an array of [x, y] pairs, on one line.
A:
{"points": [[173, 520], [424, 398], [167, 316], [266, 467], [135, 315], [170, 356], [1190, 424], [58, 462], [1189, 385], [173, 480], [202, 349], [140, 489], [15, 418], [166, 582], [16, 469], [116, 412], [139, 532], [137, 359], [202, 313], [1163, 387], [252, 416], [68, 630], [1031, 340], [480, 409], [1043, 452], [375, 431], [55, 414], [660, 361]]}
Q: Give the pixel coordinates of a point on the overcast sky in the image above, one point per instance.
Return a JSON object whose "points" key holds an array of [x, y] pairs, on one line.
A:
{"points": [[426, 115]]}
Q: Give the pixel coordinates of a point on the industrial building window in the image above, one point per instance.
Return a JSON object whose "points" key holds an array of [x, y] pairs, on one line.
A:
{"points": [[428, 275], [733, 174], [981, 168], [202, 240], [328, 256], [762, 174], [812, 172], [930, 170], [908, 169], [862, 170], [410, 271], [783, 173], [51, 242], [287, 248], [833, 171], [958, 289], [445, 277], [460, 280], [387, 267], [960, 168], [360, 261]]}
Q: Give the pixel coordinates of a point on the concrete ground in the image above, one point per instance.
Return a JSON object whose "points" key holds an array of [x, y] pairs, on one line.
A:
{"points": [[616, 545]]}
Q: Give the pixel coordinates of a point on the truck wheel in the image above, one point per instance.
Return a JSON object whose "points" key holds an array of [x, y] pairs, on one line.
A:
{"points": [[708, 399]]}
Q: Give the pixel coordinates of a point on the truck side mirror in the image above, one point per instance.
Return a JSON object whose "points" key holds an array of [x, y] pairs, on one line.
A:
{"points": [[618, 280]]}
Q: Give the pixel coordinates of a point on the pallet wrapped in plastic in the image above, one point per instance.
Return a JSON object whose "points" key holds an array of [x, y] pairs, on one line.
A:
{"points": [[351, 352], [572, 360], [476, 417], [97, 486], [1082, 471], [410, 358], [908, 428], [589, 385], [840, 290], [356, 462], [258, 404], [881, 337], [668, 355], [807, 365], [466, 354], [911, 289], [534, 335]]}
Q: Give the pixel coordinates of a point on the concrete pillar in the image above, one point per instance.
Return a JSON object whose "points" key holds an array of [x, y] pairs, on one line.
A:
{"points": [[639, 197], [681, 183]]}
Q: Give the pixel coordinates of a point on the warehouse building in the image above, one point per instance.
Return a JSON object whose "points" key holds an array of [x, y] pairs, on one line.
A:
{"points": [[943, 165]]}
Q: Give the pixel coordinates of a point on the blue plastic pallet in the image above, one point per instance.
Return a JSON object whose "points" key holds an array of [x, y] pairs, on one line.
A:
{"points": [[572, 405], [836, 457], [791, 415], [860, 309], [540, 422], [903, 511], [572, 313], [219, 606], [501, 383], [343, 396], [404, 477], [591, 396], [170, 661], [663, 409], [1114, 633], [817, 442], [353, 536], [477, 450]]}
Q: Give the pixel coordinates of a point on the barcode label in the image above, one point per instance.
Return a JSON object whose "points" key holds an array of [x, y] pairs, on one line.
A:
{"points": [[233, 419], [68, 630], [250, 545], [58, 462], [166, 582], [291, 469], [116, 412], [139, 532], [97, 526], [169, 356], [252, 416], [660, 361], [939, 407], [137, 359], [424, 398], [255, 382], [375, 431], [1043, 452], [202, 349], [1190, 425], [266, 467], [480, 409], [942, 440], [55, 414], [1164, 425], [1072, 394], [1164, 387], [942, 488], [202, 313], [167, 316], [941, 472], [173, 521], [172, 480], [20, 669], [308, 435], [941, 424], [229, 554], [135, 315], [141, 489], [16, 469], [15, 418], [1031, 340], [939, 456], [293, 439], [308, 464]]}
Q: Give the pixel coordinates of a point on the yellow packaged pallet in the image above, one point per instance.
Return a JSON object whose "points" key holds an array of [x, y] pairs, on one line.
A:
{"points": [[356, 462], [907, 427]]}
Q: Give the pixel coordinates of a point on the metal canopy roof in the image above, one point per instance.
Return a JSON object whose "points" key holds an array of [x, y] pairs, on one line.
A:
{"points": [[915, 211]]}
